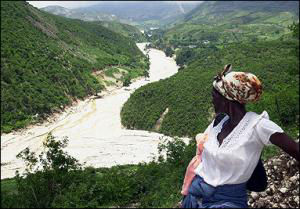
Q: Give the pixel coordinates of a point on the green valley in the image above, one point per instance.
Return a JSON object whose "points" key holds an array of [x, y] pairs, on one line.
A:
{"points": [[124, 29], [221, 23], [188, 93], [143, 14], [47, 62], [272, 56]]}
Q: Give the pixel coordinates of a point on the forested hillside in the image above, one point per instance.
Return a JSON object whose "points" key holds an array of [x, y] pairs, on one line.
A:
{"points": [[223, 22], [75, 14], [127, 30], [47, 61], [253, 36], [188, 93], [109, 21]]}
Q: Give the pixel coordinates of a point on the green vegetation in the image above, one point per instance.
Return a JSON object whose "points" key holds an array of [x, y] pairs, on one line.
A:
{"points": [[295, 29], [220, 23], [125, 29], [47, 61], [269, 52], [254, 37], [125, 74], [63, 183], [111, 71], [188, 93]]}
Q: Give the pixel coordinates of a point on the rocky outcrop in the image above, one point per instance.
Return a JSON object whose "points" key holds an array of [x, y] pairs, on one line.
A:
{"points": [[283, 184]]}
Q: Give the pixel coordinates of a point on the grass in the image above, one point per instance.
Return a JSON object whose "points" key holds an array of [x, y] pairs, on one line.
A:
{"points": [[111, 71]]}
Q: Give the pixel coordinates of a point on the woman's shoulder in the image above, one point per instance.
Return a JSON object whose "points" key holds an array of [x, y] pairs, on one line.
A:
{"points": [[257, 117], [256, 120], [263, 126], [262, 121]]}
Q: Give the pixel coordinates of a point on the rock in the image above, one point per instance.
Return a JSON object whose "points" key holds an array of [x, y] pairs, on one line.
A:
{"points": [[283, 205], [289, 164], [260, 204], [254, 195], [283, 190], [263, 194], [272, 187], [286, 184], [293, 179], [269, 191], [283, 184], [276, 162]]}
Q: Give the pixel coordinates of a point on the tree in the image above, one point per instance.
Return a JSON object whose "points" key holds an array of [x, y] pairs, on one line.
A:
{"points": [[169, 51], [46, 176], [295, 29]]}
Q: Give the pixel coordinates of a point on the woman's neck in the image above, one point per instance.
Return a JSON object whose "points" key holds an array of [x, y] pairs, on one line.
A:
{"points": [[236, 114]]}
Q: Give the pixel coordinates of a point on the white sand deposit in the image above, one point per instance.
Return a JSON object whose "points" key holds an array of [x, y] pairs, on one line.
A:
{"points": [[94, 128]]}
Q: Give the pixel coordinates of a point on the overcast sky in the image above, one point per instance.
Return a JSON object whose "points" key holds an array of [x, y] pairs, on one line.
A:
{"points": [[74, 4]]}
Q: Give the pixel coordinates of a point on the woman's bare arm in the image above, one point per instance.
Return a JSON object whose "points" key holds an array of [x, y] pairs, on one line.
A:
{"points": [[286, 143]]}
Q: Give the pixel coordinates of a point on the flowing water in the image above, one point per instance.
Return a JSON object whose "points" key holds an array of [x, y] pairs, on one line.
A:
{"points": [[94, 128]]}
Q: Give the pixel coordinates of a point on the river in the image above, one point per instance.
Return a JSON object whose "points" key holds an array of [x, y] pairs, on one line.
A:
{"points": [[94, 128]]}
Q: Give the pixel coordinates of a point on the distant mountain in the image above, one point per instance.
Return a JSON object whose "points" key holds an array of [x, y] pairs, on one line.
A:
{"points": [[109, 21], [58, 10], [76, 14], [222, 22], [220, 11], [144, 14], [47, 61], [141, 11]]}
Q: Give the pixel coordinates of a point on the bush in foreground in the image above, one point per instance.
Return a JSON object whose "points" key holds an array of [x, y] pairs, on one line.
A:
{"points": [[55, 179]]}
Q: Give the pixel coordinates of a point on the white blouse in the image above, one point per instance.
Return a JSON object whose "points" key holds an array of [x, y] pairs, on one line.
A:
{"points": [[235, 160]]}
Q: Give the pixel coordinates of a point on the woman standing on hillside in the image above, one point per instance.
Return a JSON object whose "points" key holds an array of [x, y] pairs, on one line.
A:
{"points": [[234, 145]]}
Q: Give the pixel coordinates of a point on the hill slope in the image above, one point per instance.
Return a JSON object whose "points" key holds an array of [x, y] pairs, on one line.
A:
{"points": [[124, 29], [223, 22], [75, 14], [188, 93], [47, 61], [143, 14], [109, 21]]}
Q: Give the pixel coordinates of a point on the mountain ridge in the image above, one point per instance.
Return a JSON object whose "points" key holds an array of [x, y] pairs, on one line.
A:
{"points": [[141, 14], [217, 23]]}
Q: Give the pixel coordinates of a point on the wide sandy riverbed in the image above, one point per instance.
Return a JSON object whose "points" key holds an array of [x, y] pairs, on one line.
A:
{"points": [[94, 128]]}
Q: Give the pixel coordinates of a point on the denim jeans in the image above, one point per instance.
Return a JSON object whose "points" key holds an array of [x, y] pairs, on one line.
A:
{"points": [[203, 195]]}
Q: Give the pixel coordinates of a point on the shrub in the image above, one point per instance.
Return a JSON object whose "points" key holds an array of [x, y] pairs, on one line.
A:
{"points": [[47, 175], [126, 80], [287, 103]]}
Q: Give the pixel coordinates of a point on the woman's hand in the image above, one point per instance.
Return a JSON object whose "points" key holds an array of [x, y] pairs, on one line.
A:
{"points": [[286, 143]]}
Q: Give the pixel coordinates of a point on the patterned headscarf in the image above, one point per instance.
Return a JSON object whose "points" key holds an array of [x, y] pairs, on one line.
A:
{"points": [[238, 86]]}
